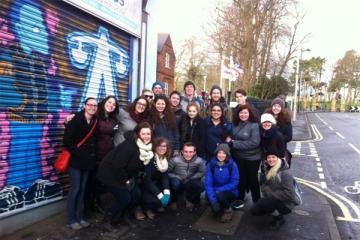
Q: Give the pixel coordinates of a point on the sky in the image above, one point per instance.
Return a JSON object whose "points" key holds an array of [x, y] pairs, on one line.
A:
{"points": [[332, 25]]}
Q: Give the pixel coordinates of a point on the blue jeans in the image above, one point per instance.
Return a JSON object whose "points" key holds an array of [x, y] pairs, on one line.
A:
{"points": [[124, 198], [225, 198], [75, 201], [192, 189]]}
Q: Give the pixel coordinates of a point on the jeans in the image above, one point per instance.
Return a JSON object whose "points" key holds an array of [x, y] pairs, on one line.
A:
{"points": [[75, 201], [150, 200], [269, 205], [225, 199], [124, 198], [192, 189]]}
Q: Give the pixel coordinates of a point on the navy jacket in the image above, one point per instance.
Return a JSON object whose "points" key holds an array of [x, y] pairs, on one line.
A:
{"points": [[195, 134], [154, 180], [162, 129], [221, 179], [215, 135]]}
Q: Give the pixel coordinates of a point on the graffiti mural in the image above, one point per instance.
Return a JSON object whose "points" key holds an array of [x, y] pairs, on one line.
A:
{"points": [[48, 66]]}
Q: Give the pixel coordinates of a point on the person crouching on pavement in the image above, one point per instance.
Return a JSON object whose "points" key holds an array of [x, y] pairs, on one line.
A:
{"points": [[156, 185], [277, 188], [185, 172], [221, 181]]}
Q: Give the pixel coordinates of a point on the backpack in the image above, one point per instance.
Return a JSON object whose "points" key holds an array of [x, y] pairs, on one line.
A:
{"points": [[298, 191]]}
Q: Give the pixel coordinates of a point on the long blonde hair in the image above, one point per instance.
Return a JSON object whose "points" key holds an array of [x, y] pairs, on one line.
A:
{"points": [[273, 170]]}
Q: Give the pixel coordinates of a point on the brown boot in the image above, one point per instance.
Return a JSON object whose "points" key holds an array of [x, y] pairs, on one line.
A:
{"points": [[150, 214], [227, 216], [139, 214]]}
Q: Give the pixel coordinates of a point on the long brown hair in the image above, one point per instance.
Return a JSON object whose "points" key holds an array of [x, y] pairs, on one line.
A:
{"points": [[168, 113], [283, 117], [160, 140], [252, 116]]}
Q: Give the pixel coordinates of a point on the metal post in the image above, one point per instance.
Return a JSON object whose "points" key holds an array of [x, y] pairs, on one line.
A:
{"points": [[296, 85], [204, 83]]}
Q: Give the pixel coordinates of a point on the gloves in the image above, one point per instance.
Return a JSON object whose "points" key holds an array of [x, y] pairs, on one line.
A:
{"points": [[216, 208], [165, 200]]}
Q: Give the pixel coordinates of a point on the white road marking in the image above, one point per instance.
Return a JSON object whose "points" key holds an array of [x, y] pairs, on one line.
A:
{"points": [[331, 128], [317, 159], [337, 133], [321, 176], [318, 164], [320, 169], [323, 184], [325, 123], [355, 148]]}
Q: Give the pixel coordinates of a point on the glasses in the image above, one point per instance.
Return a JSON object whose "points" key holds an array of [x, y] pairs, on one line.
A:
{"points": [[216, 110], [149, 96], [162, 146], [141, 104], [91, 105]]}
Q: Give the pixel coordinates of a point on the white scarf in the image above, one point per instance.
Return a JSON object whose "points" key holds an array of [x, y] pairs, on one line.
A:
{"points": [[145, 151], [161, 163]]}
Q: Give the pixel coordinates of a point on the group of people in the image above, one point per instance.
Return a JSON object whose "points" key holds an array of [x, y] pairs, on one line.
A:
{"points": [[162, 147]]}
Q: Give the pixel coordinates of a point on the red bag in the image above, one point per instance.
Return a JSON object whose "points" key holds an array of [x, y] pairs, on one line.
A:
{"points": [[62, 161]]}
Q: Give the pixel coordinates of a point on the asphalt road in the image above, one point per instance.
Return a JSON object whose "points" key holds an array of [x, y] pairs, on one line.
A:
{"points": [[332, 163]]}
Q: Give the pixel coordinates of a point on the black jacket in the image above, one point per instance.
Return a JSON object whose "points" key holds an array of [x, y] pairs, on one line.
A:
{"points": [[154, 180], [83, 157], [195, 134], [272, 138], [121, 164]]}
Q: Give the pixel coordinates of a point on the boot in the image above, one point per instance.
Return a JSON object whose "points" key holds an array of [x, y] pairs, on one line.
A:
{"points": [[139, 214], [150, 214], [227, 215]]}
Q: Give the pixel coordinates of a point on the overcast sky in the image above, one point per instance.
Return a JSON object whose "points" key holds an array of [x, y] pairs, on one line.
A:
{"points": [[332, 24]]}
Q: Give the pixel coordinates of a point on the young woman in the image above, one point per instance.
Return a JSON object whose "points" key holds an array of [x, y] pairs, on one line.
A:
{"points": [[82, 160], [121, 169], [216, 97], [218, 129], [270, 136], [221, 181], [193, 129], [279, 196], [136, 113], [156, 185], [107, 111], [283, 118], [162, 119], [246, 150]]}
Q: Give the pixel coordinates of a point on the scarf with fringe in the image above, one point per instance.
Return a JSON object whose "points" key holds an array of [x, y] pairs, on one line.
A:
{"points": [[145, 151], [161, 164]]}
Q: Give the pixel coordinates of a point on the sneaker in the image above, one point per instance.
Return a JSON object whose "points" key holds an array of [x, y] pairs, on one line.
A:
{"points": [[174, 206], [227, 216], [150, 214], [139, 214], [237, 204], [11, 197], [75, 226], [42, 190], [84, 223]]}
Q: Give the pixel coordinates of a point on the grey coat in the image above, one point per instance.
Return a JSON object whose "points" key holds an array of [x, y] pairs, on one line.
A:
{"points": [[281, 187], [246, 141], [125, 124], [186, 170]]}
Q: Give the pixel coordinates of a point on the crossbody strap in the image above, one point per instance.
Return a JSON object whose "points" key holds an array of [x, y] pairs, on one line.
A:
{"points": [[88, 135]]}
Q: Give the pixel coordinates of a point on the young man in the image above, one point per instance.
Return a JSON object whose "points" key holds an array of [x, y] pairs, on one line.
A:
{"points": [[185, 172], [189, 96], [158, 88], [240, 97]]}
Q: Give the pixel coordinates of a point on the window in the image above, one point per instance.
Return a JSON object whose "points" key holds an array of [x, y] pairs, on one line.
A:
{"points": [[166, 88], [167, 60]]}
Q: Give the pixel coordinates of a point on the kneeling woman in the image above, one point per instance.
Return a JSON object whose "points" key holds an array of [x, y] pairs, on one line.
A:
{"points": [[156, 192], [221, 181], [278, 190], [121, 169]]}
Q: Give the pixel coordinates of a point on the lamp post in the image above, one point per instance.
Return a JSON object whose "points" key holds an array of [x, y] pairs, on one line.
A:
{"points": [[297, 74]]}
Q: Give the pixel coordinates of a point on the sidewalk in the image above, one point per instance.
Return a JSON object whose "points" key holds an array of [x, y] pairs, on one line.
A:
{"points": [[312, 220]]}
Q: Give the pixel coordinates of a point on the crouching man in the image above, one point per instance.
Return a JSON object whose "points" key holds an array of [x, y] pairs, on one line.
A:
{"points": [[185, 172]]}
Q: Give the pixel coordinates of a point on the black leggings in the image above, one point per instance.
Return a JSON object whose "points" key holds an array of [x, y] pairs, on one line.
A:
{"points": [[269, 205], [249, 178]]}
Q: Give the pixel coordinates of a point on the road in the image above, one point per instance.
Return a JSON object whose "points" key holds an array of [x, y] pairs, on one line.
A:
{"points": [[331, 164]]}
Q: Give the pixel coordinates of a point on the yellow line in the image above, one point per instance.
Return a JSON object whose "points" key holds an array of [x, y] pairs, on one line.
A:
{"points": [[342, 206], [348, 219], [300, 179], [354, 207]]}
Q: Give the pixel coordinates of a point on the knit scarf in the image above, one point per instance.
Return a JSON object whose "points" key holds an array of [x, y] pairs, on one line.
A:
{"points": [[145, 151], [137, 117], [161, 163], [270, 133], [273, 170]]}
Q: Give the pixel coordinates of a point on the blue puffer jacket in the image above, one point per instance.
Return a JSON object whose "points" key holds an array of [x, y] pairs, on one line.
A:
{"points": [[220, 179]]}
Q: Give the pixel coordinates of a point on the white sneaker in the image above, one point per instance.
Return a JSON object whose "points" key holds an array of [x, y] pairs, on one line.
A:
{"points": [[84, 223], [75, 226]]}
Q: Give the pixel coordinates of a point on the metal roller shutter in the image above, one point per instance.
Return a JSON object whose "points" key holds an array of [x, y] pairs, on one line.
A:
{"points": [[52, 57]]}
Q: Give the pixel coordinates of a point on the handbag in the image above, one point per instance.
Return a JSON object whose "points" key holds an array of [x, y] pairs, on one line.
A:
{"points": [[62, 161]]}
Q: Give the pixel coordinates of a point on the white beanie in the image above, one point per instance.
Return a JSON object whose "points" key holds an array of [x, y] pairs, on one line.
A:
{"points": [[267, 117]]}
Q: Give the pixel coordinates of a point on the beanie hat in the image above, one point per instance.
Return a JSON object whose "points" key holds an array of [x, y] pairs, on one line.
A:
{"points": [[223, 147], [271, 151], [215, 87], [157, 83], [279, 101], [267, 117], [189, 83]]}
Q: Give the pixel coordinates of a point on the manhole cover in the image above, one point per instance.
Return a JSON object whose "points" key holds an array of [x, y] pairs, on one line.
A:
{"points": [[302, 212]]}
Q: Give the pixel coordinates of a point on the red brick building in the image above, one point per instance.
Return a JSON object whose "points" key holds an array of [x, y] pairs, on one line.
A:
{"points": [[165, 62]]}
